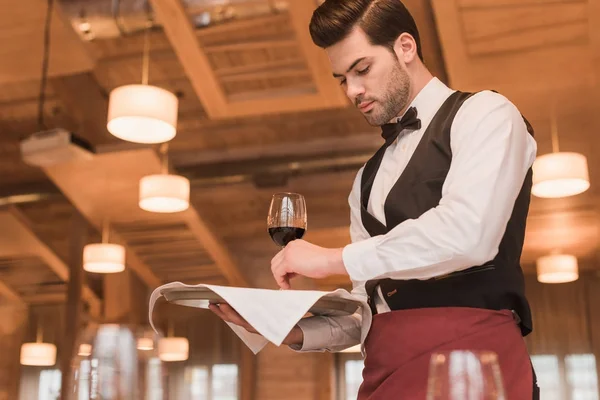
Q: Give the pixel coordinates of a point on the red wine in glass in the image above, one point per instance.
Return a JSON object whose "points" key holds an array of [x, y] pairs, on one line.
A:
{"points": [[287, 218], [282, 235]]}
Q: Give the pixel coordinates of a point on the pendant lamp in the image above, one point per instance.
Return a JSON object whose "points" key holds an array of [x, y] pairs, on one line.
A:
{"points": [[145, 343], [105, 257], [38, 354], [85, 350], [559, 174], [172, 348], [164, 192], [557, 268], [353, 349], [142, 113]]}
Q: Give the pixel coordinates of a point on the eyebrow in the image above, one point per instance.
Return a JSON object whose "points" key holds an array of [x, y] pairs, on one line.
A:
{"points": [[349, 69]]}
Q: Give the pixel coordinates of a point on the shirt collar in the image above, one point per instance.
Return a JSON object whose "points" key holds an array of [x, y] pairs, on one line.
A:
{"points": [[429, 100]]}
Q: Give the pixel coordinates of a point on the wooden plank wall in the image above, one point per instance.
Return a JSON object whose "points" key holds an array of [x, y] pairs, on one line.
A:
{"points": [[12, 329], [561, 322], [19, 325]]}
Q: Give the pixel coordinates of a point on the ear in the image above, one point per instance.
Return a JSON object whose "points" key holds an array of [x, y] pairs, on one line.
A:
{"points": [[406, 48]]}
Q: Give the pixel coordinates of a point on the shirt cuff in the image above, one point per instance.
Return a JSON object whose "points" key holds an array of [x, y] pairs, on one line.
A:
{"points": [[359, 255], [317, 334]]}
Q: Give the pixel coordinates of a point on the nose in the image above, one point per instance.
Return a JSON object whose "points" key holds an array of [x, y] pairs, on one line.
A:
{"points": [[354, 90]]}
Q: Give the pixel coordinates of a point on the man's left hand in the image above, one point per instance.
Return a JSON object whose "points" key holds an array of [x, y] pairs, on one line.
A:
{"points": [[302, 258]]}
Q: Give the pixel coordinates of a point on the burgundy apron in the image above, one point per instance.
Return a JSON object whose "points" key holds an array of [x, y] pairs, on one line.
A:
{"points": [[400, 344]]}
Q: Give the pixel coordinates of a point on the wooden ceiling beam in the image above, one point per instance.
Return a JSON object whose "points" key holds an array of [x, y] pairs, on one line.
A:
{"points": [[86, 103], [525, 50], [430, 42], [300, 12], [26, 241], [263, 67], [194, 60], [251, 45], [10, 294], [137, 264], [265, 75], [22, 32], [107, 188], [215, 247], [326, 147], [89, 186], [221, 30], [182, 36], [46, 298]]}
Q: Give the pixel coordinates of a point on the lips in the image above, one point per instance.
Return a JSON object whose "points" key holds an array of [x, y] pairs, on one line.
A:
{"points": [[364, 107]]}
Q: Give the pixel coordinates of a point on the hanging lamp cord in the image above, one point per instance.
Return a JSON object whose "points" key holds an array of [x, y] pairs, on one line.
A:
{"points": [[45, 64]]}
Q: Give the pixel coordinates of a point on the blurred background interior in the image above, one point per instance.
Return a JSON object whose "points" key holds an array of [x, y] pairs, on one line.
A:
{"points": [[256, 112]]}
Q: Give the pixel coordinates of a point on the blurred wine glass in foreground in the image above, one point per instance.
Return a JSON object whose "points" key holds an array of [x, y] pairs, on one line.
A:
{"points": [[465, 375], [117, 362], [287, 218]]}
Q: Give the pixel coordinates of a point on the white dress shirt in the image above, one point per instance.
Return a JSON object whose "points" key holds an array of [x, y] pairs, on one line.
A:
{"points": [[491, 154]]}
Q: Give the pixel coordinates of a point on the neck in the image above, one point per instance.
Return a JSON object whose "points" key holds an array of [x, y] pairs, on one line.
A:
{"points": [[419, 78]]}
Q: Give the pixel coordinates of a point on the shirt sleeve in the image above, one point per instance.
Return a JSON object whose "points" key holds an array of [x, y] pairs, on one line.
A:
{"points": [[332, 333], [338, 333], [491, 155]]}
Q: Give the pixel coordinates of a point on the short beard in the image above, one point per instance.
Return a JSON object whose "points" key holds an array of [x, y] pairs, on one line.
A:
{"points": [[395, 98]]}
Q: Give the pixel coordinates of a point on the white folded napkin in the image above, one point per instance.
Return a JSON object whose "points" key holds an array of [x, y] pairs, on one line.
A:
{"points": [[273, 313]]}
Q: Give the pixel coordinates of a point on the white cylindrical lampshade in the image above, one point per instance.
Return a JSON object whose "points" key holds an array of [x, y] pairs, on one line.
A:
{"points": [[560, 175], [557, 268], [85, 349], [173, 349], [104, 258], [164, 193], [38, 354], [353, 349], [145, 344], [142, 114]]}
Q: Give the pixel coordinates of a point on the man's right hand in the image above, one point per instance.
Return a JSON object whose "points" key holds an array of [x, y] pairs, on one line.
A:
{"points": [[228, 314]]}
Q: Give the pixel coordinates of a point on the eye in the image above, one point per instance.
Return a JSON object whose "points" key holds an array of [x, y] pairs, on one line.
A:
{"points": [[363, 71], [342, 82]]}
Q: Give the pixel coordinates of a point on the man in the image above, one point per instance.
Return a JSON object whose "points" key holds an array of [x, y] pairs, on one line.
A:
{"points": [[437, 214]]}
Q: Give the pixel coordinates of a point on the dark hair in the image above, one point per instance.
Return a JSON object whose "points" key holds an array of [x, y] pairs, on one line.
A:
{"points": [[382, 20]]}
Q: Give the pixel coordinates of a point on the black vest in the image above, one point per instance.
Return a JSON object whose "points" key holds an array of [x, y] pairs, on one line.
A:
{"points": [[497, 284]]}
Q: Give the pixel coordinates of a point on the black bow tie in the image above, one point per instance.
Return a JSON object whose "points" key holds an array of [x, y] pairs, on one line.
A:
{"points": [[409, 121]]}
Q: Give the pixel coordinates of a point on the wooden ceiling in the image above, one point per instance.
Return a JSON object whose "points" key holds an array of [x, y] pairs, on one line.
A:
{"points": [[259, 113]]}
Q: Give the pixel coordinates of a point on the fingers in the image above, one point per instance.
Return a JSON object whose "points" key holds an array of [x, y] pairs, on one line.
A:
{"points": [[228, 314], [278, 270], [281, 276], [283, 281], [232, 315], [215, 308]]}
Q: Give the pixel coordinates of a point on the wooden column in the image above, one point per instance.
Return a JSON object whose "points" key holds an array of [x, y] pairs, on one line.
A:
{"points": [[12, 332], [74, 305], [247, 374], [125, 298], [324, 376], [592, 288]]}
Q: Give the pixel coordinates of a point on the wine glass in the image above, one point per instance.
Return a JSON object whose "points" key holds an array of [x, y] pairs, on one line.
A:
{"points": [[465, 375], [117, 362], [287, 218]]}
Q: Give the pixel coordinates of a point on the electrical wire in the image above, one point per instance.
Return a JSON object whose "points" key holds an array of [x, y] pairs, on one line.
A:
{"points": [[45, 62], [116, 12]]}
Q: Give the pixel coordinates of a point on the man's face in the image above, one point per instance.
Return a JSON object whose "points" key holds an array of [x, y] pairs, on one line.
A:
{"points": [[374, 79]]}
